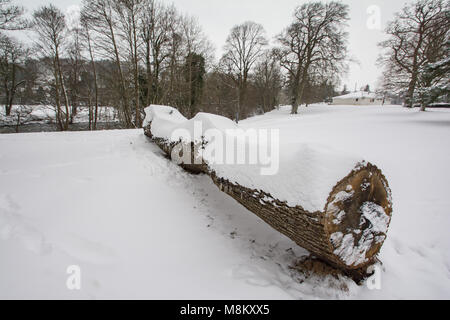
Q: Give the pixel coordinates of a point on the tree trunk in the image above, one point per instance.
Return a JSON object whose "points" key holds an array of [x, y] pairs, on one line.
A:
{"points": [[12, 92], [342, 235], [238, 105], [124, 96], [242, 100], [91, 113], [294, 99], [57, 97], [63, 90], [314, 231], [302, 83], [8, 106], [410, 93], [137, 118], [301, 91], [18, 123], [8, 110], [191, 102]]}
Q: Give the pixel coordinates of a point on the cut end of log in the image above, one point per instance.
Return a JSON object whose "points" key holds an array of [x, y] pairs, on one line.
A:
{"points": [[357, 217]]}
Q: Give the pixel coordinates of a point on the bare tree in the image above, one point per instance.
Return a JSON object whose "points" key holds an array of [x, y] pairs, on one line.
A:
{"points": [[86, 34], [243, 47], [12, 54], [50, 26], [129, 12], [173, 77], [103, 17], [131, 53], [268, 81], [314, 44], [75, 65], [155, 36], [198, 52], [11, 16], [416, 38]]}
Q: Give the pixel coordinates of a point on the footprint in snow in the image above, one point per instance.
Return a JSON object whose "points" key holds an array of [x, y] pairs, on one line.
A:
{"points": [[14, 226]]}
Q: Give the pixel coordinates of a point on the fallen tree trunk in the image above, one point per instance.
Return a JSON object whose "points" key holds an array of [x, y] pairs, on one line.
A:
{"points": [[347, 234]]}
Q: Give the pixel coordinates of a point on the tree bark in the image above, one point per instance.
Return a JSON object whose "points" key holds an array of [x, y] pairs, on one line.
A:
{"points": [[94, 71], [137, 117], [149, 72], [294, 97], [7, 106], [124, 96], [57, 96], [63, 89]]}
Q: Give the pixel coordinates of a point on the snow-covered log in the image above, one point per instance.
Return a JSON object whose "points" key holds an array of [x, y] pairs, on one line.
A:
{"points": [[336, 206]]}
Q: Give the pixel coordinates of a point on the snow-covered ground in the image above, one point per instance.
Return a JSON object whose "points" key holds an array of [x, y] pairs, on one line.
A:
{"points": [[140, 227]]}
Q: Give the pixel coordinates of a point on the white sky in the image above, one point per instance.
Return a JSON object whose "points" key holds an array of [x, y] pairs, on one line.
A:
{"points": [[217, 17]]}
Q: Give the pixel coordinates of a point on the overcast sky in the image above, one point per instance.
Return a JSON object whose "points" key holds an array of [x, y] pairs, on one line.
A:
{"points": [[217, 17]]}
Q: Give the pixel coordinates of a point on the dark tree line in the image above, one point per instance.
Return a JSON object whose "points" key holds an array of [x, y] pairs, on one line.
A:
{"points": [[129, 54]]}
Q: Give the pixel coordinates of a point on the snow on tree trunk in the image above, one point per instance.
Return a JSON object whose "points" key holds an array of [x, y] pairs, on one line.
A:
{"points": [[346, 229]]}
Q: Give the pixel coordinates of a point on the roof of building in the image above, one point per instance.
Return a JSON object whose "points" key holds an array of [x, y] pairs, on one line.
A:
{"points": [[358, 95]]}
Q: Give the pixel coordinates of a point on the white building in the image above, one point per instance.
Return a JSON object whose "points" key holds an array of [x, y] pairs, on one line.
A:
{"points": [[358, 98]]}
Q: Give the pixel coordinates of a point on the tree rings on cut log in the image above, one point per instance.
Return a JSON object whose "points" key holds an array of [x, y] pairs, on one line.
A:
{"points": [[357, 217]]}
